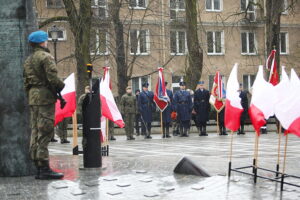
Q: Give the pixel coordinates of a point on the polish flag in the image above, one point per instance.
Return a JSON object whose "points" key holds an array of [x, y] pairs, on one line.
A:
{"points": [[233, 107], [262, 102], [287, 109], [271, 65], [108, 104], [69, 94], [217, 93]]}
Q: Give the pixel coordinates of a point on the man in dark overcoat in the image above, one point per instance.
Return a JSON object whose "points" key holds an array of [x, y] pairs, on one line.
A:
{"points": [[166, 115], [244, 102]]}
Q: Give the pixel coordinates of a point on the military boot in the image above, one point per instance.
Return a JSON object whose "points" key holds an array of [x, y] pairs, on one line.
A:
{"points": [[64, 141], [185, 130], [242, 130], [45, 172], [200, 130], [204, 132], [181, 131], [187, 133], [164, 130]]}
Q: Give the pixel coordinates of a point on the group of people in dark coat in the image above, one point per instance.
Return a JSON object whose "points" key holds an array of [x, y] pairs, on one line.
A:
{"points": [[185, 105]]}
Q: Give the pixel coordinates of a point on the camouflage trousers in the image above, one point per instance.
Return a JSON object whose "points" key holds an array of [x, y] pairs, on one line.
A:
{"points": [[129, 119], [61, 130], [42, 130]]}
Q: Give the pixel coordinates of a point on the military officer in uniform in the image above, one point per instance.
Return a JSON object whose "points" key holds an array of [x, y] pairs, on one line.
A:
{"points": [[183, 106], [138, 115], [42, 85], [128, 110], [146, 106], [202, 107], [244, 102], [166, 115], [222, 128]]}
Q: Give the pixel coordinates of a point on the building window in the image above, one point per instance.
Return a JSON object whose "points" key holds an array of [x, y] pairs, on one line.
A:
{"points": [[137, 82], [139, 42], [248, 43], [101, 6], [248, 6], [213, 5], [283, 43], [62, 35], [176, 6], [215, 42], [138, 4], [99, 43], [178, 42], [55, 4], [248, 81]]}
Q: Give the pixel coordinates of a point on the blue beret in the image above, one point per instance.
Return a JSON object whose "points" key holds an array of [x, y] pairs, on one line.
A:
{"points": [[38, 37], [200, 82], [145, 85]]}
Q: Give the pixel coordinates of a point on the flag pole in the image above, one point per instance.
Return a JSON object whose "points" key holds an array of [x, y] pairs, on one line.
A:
{"points": [[256, 158], [161, 123], [75, 134], [106, 132], [284, 161], [230, 154], [279, 144], [218, 126], [254, 155]]}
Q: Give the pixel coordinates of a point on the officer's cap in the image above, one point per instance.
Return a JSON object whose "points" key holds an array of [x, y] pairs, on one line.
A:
{"points": [[200, 82], [137, 91], [241, 85], [128, 88], [182, 83], [166, 83], [146, 85], [38, 37]]}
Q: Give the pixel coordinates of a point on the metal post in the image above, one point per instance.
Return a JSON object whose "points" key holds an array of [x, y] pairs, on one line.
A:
{"points": [[54, 46]]}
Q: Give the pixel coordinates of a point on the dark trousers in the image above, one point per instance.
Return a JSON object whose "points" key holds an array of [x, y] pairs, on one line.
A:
{"points": [[166, 127], [137, 123], [202, 126], [148, 124]]}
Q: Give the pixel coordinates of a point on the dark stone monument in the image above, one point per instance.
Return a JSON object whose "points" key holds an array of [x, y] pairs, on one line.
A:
{"points": [[17, 20]]}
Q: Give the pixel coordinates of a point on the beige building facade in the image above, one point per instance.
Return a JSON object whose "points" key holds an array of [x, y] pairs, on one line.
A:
{"points": [[154, 35]]}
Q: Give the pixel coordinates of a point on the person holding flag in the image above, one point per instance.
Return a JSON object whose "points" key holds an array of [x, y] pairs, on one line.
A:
{"points": [[202, 107], [244, 103], [166, 114], [183, 106]]}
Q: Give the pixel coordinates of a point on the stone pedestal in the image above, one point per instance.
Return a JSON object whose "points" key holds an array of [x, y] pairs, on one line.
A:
{"points": [[17, 20]]}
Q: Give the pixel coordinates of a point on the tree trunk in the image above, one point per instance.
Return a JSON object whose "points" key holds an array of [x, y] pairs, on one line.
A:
{"points": [[273, 14], [195, 56], [122, 67], [17, 21]]}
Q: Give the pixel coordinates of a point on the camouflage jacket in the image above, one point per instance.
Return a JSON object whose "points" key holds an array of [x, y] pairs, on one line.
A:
{"points": [[39, 75], [128, 104]]}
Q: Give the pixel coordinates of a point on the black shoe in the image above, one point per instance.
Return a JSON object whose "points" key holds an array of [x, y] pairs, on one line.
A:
{"points": [[224, 133], [112, 138], [148, 137], [45, 172], [168, 136], [185, 135], [64, 141], [164, 136], [203, 134], [53, 140], [132, 138]]}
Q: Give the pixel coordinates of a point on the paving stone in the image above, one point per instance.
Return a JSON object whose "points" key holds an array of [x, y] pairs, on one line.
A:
{"points": [[92, 183], [114, 193], [123, 184]]}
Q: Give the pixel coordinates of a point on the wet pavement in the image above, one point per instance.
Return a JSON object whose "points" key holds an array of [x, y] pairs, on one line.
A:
{"points": [[143, 169]]}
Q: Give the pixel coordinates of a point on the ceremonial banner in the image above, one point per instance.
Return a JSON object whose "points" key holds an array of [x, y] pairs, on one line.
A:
{"points": [[271, 65], [233, 107], [69, 94], [161, 98], [217, 93]]}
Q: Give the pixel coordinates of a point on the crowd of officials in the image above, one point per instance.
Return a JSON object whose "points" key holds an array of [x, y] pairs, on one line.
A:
{"points": [[183, 107]]}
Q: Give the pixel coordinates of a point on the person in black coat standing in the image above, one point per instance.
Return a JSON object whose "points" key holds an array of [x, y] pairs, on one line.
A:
{"points": [[202, 107], [137, 115], [166, 115], [146, 106], [183, 106], [244, 102]]}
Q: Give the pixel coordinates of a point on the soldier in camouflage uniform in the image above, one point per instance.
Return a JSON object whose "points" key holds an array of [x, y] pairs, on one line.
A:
{"points": [[41, 84], [62, 130], [128, 110]]}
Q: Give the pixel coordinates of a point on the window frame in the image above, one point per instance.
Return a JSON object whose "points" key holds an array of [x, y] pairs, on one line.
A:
{"points": [[213, 6], [97, 52], [214, 43], [177, 9], [55, 7], [286, 43], [177, 43], [138, 42], [249, 11], [255, 44], [63, 29], [96, 5], [248, 77], [138, 7]]}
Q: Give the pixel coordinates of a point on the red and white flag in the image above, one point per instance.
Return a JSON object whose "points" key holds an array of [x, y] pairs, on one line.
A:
{"points": [[161, 98], [108, 105], [217, 93], [69, 94], [262, 102], [271, 65], [287, 109], [233, 107]]}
